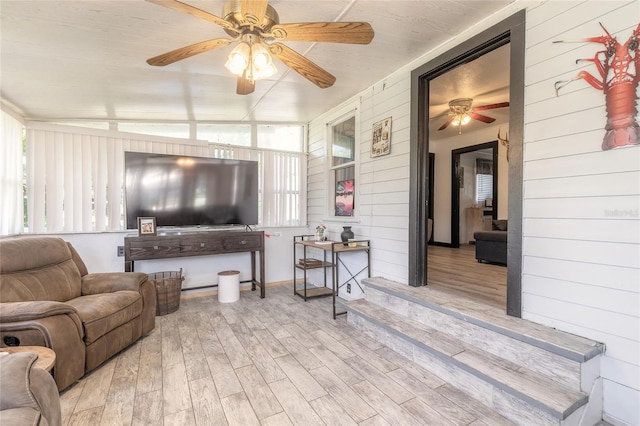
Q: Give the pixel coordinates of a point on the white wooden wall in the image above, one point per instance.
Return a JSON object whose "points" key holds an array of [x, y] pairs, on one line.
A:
{"points": [[581, 224], [382, 187]]}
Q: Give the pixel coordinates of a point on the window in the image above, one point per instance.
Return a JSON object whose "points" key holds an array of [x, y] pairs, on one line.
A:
{"points": [[171, 130], [73, 192], [343, 166], [281, 138], [484, 188], [12, 178], [232, 134], [484, 180]]}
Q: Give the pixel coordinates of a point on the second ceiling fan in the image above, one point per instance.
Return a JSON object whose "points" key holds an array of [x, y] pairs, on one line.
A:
{"points": [[461, 112], [255, 25]]}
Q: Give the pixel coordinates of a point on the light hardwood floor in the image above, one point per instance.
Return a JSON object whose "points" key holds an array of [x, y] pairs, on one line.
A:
{"points": [[272, 361], [456, 270]]}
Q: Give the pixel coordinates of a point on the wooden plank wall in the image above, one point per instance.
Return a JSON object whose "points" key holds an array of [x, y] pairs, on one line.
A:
{"points": [[581, 225], [382, 197]]}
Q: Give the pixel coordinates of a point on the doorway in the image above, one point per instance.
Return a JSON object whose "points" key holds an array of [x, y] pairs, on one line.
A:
{"points": [[509, 32], [465, 192]]}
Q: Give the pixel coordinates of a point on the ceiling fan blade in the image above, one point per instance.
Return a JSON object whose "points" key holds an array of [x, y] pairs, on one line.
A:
{"points": [[481, 117], [245, 86], [332, 32], [446, 123], [194, 11], [491, 106], [254, 10], [187, 51], [302, 65]]}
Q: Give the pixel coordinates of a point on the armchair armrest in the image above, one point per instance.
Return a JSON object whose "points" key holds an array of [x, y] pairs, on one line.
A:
{"points": [[55, 325], [109, 282], [33, 310], [21, 315], [27, 388]]}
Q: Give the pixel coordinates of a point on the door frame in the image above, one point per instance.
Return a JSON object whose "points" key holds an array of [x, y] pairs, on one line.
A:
{"points": [[455, 186], [509, 31]]}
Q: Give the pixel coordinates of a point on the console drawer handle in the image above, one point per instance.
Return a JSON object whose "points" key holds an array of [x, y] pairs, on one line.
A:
{"points": [[201, 244], [155, 247]]}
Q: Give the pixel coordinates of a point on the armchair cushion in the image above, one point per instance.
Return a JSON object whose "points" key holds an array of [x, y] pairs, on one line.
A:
{"points": [[82, 268], [101, 313], [29, 268]]}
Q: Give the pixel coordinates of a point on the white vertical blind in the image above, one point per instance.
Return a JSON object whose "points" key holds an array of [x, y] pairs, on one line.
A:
{"points": [[284, 204], [484, 187], [11, 208], [484, 180], [99, 177], [76, 177]]}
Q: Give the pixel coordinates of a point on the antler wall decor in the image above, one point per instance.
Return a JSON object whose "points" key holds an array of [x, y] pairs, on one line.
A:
{"points": [[505, 142]]}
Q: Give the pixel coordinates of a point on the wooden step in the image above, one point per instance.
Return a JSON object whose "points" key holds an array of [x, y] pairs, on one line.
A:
{"points": [[525, 371], [483, 325]]}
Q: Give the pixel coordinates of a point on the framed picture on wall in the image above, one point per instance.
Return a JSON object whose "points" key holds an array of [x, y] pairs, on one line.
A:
{"points": [[146, 226], [344, 197], [381, 138]]}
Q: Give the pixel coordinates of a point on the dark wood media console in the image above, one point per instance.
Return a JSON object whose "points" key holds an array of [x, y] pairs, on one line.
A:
{"points": [[203, 243]]}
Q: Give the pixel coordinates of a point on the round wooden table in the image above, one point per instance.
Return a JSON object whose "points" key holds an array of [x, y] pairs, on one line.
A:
{"points": [[46, 357]]}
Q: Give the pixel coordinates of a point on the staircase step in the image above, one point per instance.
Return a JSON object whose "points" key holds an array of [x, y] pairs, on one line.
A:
{"points": [[523, 370], [491, 318], [562, 356], [475, 370]]}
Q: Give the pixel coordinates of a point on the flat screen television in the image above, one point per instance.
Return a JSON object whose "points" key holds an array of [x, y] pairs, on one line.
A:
{"points": [[184, 191]]}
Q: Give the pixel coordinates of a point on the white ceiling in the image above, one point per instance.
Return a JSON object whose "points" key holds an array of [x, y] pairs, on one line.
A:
{"points": [[86, 59], [485, 80]]}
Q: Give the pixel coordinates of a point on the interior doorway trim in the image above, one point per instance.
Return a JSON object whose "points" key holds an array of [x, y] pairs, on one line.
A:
{"points": [[455, 186], [510, 31]]}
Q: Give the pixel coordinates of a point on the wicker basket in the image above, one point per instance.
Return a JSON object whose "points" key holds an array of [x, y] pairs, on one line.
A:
{"points": [[168, 287]]}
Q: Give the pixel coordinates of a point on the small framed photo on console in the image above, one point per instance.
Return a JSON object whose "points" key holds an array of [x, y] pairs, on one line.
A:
{"points": [[146, 226]]}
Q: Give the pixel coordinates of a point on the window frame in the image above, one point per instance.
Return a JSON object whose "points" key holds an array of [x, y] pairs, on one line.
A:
{"points": [[349, 112]]}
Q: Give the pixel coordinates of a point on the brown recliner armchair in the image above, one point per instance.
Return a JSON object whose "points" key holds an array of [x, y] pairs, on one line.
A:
{"points": [[47, 298], [28, 395]]}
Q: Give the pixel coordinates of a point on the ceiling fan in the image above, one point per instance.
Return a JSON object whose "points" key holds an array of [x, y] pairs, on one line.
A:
{"points": [[255, 26], [461, 112]]}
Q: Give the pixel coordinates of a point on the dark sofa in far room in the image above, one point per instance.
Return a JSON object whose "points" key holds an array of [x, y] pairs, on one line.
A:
{"points": [[491, 246]]}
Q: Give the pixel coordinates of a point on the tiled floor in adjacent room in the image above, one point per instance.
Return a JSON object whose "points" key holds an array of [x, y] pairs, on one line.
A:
{"points": [[273, 361]]}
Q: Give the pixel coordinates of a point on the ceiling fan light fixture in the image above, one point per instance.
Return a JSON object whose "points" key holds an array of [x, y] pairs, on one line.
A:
{"points": [[238, 59], [461, 120], [460, 109], [252, 58], [261, 62]]}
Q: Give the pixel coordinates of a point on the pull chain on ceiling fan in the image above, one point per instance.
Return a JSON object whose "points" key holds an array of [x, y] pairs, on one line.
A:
{"points": [[461, 112], [255, 25]]}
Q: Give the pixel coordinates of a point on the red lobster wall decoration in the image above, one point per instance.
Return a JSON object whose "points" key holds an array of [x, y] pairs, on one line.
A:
{"points": [[619, 69]]}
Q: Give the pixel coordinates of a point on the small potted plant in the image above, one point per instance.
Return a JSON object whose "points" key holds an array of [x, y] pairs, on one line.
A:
{"points": [[320, 231]]}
